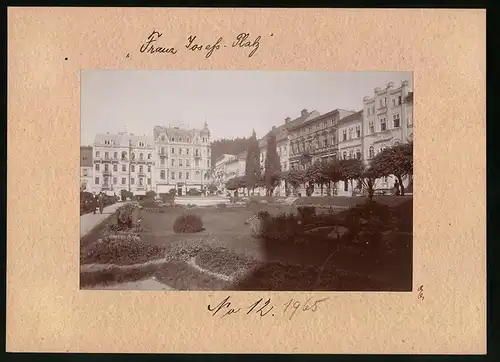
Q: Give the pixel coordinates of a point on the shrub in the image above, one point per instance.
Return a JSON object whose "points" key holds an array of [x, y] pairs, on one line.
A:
{"points": [[150, 195], [148, 203], [307, 212], [189, 223], [221, 205], [284, 227], [125, 215]]}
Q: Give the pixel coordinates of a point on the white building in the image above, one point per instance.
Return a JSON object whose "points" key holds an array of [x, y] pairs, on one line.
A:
{"points": [[183, 159], [387, 121], [220, 173], [123, 161]]}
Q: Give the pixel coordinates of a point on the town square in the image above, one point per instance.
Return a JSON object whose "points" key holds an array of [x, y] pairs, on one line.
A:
{"points": [[319, 198]]}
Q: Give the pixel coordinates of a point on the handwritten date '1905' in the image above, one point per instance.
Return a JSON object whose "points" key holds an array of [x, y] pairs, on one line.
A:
{"points": [[264, 308]]}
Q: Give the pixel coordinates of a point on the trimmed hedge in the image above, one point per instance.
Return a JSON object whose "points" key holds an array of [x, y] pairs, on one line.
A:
{"points": [[189, 223]]}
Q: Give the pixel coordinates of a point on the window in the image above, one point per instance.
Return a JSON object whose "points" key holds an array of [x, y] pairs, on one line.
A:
{"points": [[132, 156], [124, 168], [325, 142], [132, 168], [149, 156], [97, 180], [180, 151], [187, 151], [115, 155], [368, 111], [372, 127], [396, 120], [351, 154], [346, 186], [383, 124], [149, 181], [172, 151], [344, 135], [373, 109], [345, 155], [149, 168], [385, 101], [399, 100], [141, 168], [208, 163], [106, 167], [173, 139], [85, 172], [173, 162], [115, 180], [141, 156], [381, 104], [115, 167], [197, 163], [371, 152], [317, 126], [187, 162], [284, 150], [187, 175], [173, 175], [98, 154], [162, 174], [358, 131], [350, 133], [124, 180], [162, 161], [358, 154], [394, 102], [124, 155], [97, 167], [132, 181], [180, 161], [180, 175]]}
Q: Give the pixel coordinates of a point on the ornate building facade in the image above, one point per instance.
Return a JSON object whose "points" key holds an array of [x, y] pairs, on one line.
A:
{"points": [[123, 161], [183, 159]]}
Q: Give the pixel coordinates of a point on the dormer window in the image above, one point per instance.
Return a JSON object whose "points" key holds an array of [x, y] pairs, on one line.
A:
{"points": [[162, 138]]}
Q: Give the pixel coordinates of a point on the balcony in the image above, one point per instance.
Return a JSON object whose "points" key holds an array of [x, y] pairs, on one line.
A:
{"points": [[141, 174], [106, 173], [107, 187], [197, 156], [162, 155]]}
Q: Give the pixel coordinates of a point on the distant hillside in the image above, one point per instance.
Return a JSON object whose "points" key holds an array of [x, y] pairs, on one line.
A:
{"points": [[230, 146]]}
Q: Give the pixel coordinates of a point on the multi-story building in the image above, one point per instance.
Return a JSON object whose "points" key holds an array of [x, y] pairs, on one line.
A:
{"points": [[123, 161], [387, 121], [219, 175], [183, 159], [315, 139], [86, 167], [350, 144]]}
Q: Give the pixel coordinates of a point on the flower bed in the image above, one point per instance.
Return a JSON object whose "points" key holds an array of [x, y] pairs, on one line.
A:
{"points": [[122, 249]]}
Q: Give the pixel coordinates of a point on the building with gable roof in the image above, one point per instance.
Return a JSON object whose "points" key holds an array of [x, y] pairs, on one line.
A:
{"points": [[123, 161], [183, 159], [86, 168]]}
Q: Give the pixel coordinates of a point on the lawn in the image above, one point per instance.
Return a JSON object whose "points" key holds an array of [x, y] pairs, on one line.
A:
{"points": [[225, 255]]}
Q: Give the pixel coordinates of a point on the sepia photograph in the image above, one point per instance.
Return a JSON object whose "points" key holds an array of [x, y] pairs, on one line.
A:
{"points": [[246, 180]]}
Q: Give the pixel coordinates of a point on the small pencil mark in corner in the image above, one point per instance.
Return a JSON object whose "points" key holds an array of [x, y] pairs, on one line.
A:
{"points": [[66, 58], [272, 34], [128, 55]]}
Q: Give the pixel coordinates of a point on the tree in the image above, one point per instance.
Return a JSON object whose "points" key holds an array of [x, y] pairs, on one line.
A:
{"points": [[294, 178], [354, 169], [150, 195], [235, 183], [212, 188], [317, 173], [252, 165], [272, 169], [397, 161]]}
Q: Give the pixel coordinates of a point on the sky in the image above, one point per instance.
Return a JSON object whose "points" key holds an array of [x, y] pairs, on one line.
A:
{"points": [[233, 103]]}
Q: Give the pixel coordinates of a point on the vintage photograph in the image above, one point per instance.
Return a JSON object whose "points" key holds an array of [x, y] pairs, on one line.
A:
{"points": [[246, 180]]}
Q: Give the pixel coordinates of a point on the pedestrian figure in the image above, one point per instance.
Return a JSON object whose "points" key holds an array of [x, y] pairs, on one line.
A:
{"points": [[93, 202], [101, 203], [396, 186]]}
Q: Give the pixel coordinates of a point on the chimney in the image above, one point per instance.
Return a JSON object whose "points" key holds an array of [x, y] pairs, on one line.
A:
{"points": [[304, 113], [287, 119], [274, 127], [376, 90], [366, 98], [390, 85]]}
